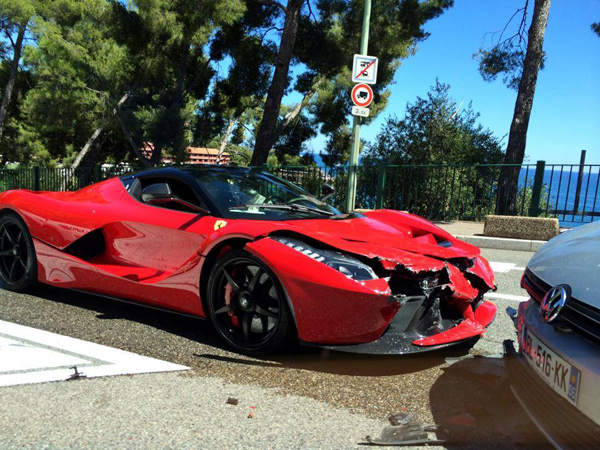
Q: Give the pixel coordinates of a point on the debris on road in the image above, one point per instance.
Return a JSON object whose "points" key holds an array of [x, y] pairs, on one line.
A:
{"points": [[401, 418], [512, 313], [77, 375], [232, 401], [405, 432]]}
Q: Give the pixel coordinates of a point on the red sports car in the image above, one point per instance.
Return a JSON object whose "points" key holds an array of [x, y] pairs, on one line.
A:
{"points": [[261, 258]]}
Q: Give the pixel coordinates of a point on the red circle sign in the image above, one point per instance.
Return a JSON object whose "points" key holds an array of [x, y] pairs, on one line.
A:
{"points": [[362, 95]]}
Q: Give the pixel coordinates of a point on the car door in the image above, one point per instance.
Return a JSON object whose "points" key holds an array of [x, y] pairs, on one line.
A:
{"points": [[151, 250]]}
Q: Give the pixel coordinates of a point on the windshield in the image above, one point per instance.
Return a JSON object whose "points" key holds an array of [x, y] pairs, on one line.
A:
{"points": [[249, 194]]}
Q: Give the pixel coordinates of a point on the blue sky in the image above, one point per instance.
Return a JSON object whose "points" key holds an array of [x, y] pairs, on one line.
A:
{"points": [[566, 109]]}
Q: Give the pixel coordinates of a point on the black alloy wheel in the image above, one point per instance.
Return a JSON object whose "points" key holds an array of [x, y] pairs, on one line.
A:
{"points": [[18, 263], [247, 305]]}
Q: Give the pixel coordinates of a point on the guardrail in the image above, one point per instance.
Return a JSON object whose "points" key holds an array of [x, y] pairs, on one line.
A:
{"points": [[461, 191], [437, 192]]}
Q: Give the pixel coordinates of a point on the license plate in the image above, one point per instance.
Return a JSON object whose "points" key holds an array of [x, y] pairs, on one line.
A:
{"points": [[555, 371]]}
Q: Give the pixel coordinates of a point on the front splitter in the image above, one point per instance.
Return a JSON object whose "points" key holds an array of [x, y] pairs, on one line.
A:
{"points": [[395, 341], [385, 347]]}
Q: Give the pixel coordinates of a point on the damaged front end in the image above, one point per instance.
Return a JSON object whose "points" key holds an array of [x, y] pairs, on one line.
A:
{"points": [[381, 300], [440, 303]]}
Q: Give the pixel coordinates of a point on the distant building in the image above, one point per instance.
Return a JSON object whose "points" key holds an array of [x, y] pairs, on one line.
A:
{"points": [[205, 155], [197, 155]]}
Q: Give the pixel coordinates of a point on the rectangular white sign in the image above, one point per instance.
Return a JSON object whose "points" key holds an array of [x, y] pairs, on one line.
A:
{"points": [[364, 69], [360, 112]]}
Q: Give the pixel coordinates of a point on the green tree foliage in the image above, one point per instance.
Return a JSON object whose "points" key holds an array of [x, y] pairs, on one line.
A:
{"points": [[100, 80], [327, 35], [15, 19], [293, 135], [337, 148], [242, 57], [507, 55], [110, 76], [174, 68], [435, 130], [519, 57], [14, 137], [78, 68]]}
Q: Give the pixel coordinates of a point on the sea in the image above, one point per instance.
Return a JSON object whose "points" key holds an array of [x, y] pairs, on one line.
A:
{"points": [[560, 187]]}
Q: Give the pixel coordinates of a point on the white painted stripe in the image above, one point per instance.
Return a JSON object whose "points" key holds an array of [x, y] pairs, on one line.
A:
{"points": [[517, 298], [522, 269], [501, 267], [29, 355]]}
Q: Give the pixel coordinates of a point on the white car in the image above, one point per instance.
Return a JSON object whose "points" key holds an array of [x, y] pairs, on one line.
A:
{"points": [[555, 374]]}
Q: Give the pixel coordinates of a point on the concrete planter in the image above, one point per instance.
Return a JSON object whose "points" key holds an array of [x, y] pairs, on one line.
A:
{"points": [[518, 227]]}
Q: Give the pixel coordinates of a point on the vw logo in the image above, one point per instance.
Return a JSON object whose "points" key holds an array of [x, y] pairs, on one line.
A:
{"points": [[554, 301]]}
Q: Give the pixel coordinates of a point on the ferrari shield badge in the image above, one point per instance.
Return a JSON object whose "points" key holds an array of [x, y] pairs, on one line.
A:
{"points": [[220, 224]]}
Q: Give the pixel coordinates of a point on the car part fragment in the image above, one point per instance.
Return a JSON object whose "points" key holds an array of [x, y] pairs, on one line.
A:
{"points": [[404, 431]]}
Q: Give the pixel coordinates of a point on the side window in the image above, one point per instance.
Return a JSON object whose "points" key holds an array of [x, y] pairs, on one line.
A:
{"points": [[184, 197]]}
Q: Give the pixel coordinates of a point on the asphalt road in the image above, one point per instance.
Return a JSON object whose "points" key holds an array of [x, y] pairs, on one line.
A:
{"points": [[435, 387]]}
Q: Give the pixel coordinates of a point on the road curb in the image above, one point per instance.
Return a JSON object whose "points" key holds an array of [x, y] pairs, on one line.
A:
{"points": [[523, 245]]}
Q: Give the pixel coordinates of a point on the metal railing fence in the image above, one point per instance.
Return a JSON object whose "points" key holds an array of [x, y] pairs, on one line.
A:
{"points": [[568, 192], [436, 192]]}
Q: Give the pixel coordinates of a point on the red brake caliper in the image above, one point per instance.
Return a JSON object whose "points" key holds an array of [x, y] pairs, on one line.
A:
{"points": [[229, 293]]}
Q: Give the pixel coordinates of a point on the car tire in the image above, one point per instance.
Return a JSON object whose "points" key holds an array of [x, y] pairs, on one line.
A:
{"points": [[18, 261], [247, 305]]}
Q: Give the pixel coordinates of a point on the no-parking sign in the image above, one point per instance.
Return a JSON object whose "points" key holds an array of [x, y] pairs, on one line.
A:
{"points": [[364, 69], [362, 95]]}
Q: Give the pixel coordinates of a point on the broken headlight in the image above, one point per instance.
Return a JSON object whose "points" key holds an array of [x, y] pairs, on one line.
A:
{"points": [[346, 264]]}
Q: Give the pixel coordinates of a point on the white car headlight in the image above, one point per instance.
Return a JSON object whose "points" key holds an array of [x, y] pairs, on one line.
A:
{"points": [[346, 264]]}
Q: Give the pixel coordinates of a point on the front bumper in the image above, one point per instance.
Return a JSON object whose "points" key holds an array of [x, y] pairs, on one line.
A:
{"points": [[334, 311], [562, 424], [403, 337]]}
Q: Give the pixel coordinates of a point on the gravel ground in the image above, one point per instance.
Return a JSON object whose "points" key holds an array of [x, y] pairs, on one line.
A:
{"points": [[376, 385], [368, 385], [171, 411]]}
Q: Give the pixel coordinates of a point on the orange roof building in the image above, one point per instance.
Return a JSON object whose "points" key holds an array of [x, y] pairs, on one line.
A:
{"points": [[205, 155], [197, 155]]}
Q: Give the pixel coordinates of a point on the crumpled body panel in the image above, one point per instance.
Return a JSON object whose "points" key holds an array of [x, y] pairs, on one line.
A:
{"points": [[332, 309]]}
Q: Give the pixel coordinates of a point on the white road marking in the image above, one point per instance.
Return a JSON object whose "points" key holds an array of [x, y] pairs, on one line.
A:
{"points": [[516, 298], [500, 267], [29, 355]]}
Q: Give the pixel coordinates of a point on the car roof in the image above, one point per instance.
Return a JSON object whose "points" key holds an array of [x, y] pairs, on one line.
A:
{"points": [[189, 170]]}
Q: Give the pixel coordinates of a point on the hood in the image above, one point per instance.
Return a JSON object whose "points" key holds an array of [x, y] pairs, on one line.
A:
{"points": [[385, 234], [399, 239], [572, 258], [395, 239]]}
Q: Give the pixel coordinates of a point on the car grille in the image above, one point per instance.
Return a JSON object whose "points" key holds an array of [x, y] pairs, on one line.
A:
{"points": [[534, 286], [579, 316], [560, 420]]}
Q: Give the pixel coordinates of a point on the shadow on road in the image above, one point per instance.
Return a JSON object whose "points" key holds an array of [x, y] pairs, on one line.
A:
{"points": [[201, 331], [108, 309], [354, 364], [326, 361], [474, 395]]}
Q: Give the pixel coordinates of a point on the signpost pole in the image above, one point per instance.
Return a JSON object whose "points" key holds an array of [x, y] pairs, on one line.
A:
{"points": [[353, 166]]}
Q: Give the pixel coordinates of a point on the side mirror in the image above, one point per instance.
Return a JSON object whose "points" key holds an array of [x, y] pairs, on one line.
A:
{"points": [[327, 191], [157, 193]]}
